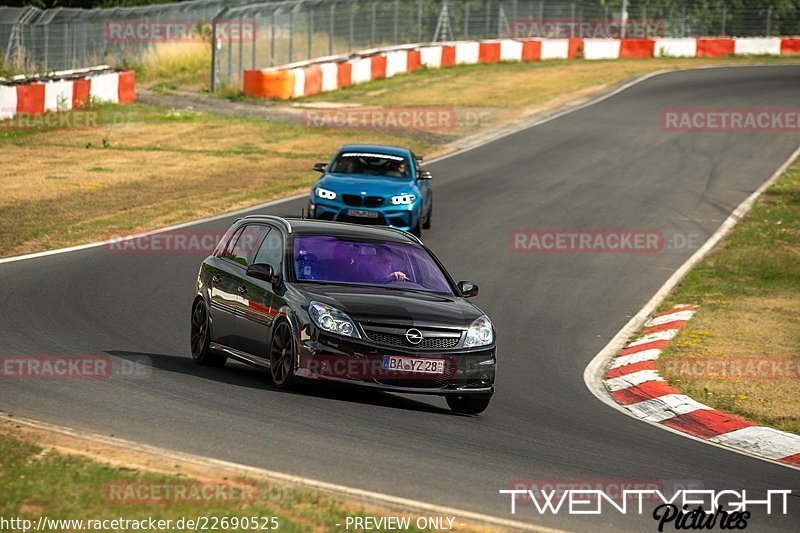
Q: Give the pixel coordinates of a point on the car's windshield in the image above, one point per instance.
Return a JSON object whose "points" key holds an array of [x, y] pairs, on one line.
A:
{"points": [[371, 164], [327, 259]]}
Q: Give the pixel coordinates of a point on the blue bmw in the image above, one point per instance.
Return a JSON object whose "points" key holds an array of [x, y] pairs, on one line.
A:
{"points": [[372, 184]]}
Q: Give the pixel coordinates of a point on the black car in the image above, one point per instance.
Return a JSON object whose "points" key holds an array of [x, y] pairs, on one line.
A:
{"points": [[365, 305]]}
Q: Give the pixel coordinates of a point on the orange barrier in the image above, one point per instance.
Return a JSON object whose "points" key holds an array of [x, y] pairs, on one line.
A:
{"points": [[531, 50], [378, 67], [448, 56], [269, 84], [30, 99], [575, 48], [414, 61], [313, 80], [343, 74], [790, 45], [714, 47], [127, 84], [81, 89], [489, 53], [636, 48]]}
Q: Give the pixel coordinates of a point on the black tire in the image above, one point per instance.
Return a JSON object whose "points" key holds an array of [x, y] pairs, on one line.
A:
{"points": [[427, 223], [416, 231], [281, 356], [200, 337], [469, 405]]}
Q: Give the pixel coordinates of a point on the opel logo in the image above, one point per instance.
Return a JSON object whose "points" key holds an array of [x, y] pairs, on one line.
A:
{"points": [[414, 336]]}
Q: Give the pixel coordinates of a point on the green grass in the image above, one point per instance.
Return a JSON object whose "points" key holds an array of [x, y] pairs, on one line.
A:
{"points": [[45, 483]]}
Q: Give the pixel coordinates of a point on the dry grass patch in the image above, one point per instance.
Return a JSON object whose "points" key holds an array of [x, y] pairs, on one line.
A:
{"points": [[741, 351], [150, 167]]}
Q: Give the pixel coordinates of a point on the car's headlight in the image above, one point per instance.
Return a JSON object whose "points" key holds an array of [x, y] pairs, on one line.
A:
{"points": [[330, 319], [403, 199], [480, 333], [325, 194]]}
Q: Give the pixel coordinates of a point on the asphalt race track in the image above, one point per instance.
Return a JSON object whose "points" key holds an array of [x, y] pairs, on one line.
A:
{"points": [[607, 166]]}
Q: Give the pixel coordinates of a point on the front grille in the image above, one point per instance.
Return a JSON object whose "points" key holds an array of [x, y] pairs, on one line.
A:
{"points": [[377, 221], [353, 200], [373, 201], [428, 343], [436, 383]]}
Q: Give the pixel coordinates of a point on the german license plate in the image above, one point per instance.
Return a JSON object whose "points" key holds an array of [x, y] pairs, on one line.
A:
{"points": [[362, 213], [413, 364]]}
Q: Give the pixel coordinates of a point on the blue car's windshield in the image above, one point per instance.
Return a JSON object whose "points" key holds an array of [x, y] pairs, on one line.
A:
{"points": [[371, 164], [327, 259]]}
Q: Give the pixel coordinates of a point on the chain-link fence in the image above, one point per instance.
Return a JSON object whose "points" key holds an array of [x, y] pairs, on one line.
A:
{"points": [[248, 35], [295, 30]]}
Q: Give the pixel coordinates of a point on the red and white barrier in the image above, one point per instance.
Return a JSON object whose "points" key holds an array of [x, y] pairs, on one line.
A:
{"points": [[74, 90], [675, 48], [601, 48], [331, 73], [768, 46], [635, 383]]}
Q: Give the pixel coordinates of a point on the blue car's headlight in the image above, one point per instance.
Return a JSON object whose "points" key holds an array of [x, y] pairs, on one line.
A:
{"points": [[332, 320], [403, 199], [480, 333], [325, 194]]}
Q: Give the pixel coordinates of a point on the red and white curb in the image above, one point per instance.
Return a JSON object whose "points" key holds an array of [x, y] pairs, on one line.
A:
{"points": [[632, 379]]}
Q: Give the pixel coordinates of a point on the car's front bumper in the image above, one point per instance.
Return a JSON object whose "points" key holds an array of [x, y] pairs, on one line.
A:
{"points": [[398, 216], [328, 358]]}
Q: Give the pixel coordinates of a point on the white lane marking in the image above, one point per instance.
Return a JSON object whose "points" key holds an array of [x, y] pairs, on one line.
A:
{"points": [[768, 442], [594, 373], [665, 335], [244, 470], [672, 317], [633, 379], [665, 407], [638, 357]]}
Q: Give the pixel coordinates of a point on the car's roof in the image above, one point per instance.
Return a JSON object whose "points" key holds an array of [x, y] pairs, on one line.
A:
{"points": [[376, 148], [337, 229]]}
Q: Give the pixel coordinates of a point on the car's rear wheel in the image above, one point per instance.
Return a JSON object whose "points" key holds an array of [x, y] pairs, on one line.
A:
{"points": [[201, 337], [427, 224], [281, 357], [469, 405]]}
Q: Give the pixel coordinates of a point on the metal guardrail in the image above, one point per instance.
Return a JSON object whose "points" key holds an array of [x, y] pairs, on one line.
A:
{"points": [[250, 34]]}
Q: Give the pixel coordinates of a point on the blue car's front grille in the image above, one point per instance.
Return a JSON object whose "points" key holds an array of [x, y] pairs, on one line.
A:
{"points": [[353, 200]]}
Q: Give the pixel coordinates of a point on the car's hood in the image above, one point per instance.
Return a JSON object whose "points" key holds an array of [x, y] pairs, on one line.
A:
{"points": [[366, 185], [386, 306]]}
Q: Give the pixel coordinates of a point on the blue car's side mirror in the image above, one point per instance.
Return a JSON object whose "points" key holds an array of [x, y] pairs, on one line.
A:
{"points": [[425, 175]]}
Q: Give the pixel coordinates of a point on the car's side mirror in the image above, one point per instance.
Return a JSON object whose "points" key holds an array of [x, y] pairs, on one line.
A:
{"points": [[261, 271], [468, 289], [320, 167], [425, 175]]}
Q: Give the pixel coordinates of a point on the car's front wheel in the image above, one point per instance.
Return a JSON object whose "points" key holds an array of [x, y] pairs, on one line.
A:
{"points": [[201, 337], [281, 357], [469, 405]]}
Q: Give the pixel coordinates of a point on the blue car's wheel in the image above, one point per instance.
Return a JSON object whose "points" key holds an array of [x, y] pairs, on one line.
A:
{"points": [[427, 223]]}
